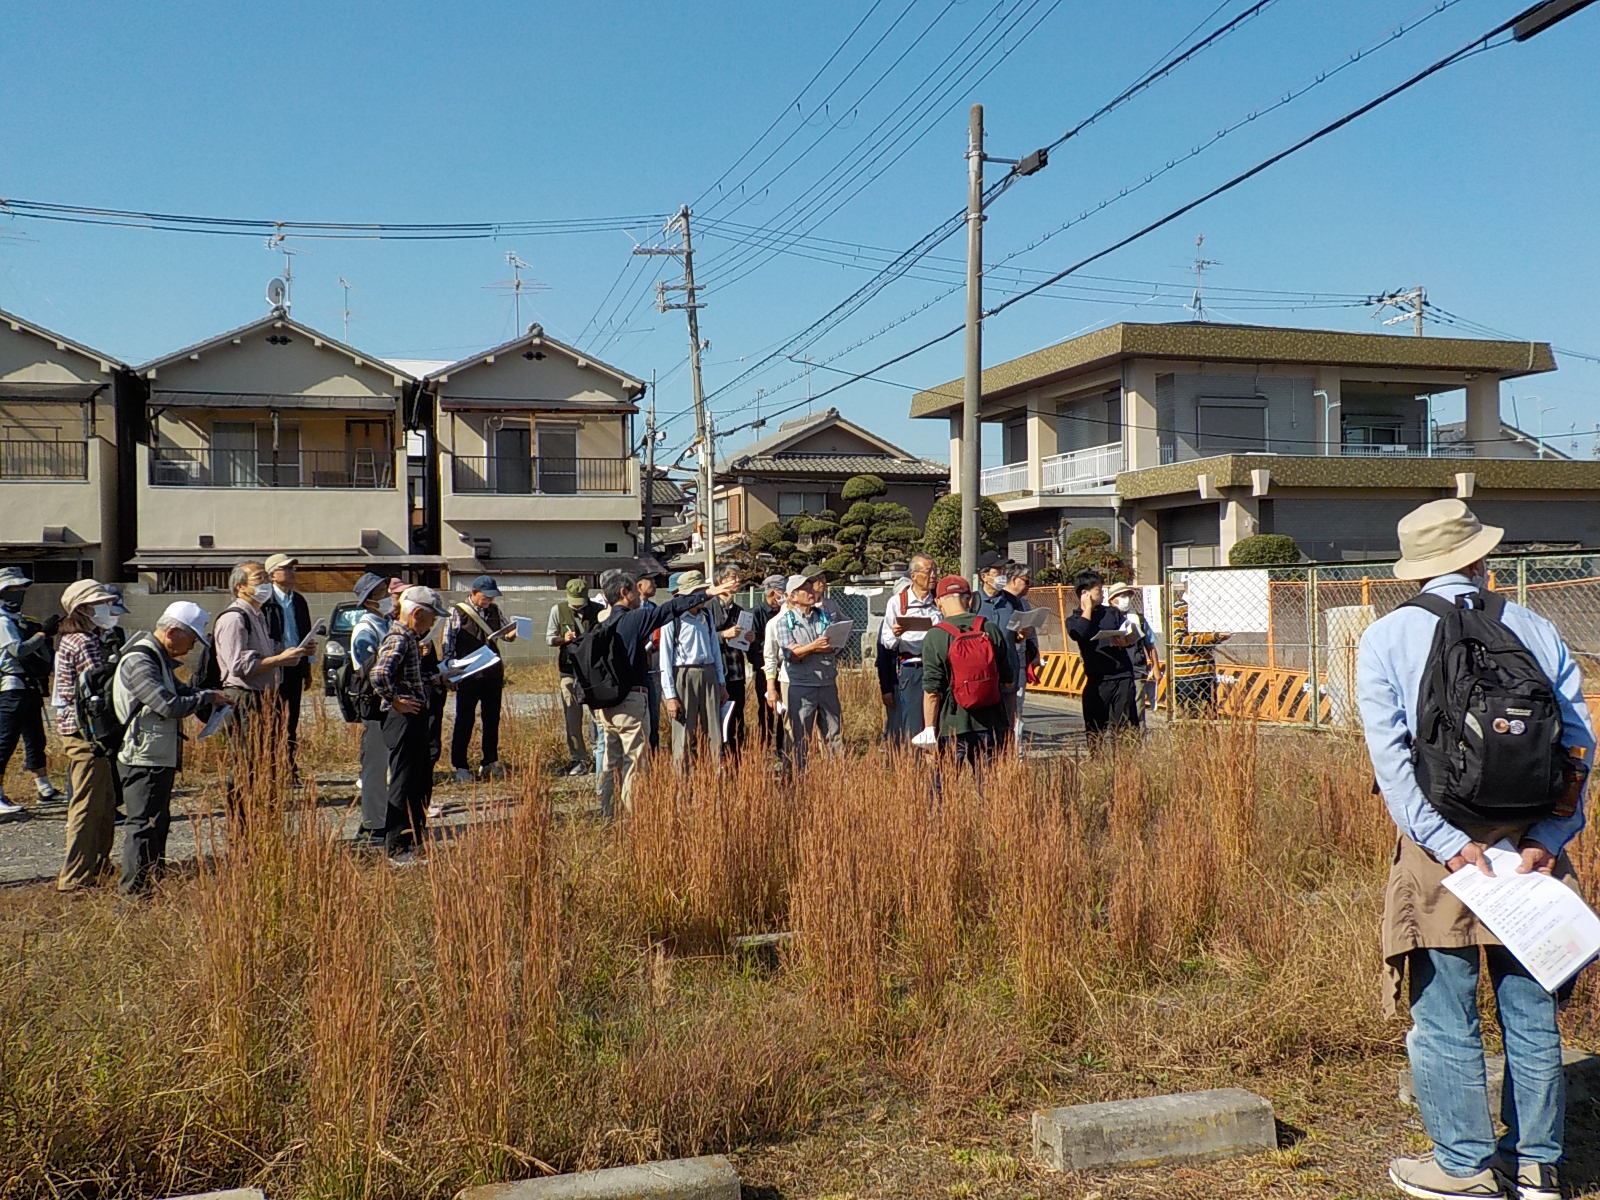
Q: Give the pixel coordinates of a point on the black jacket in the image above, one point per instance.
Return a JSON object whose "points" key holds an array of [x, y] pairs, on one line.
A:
{"points": [[272, 611]]}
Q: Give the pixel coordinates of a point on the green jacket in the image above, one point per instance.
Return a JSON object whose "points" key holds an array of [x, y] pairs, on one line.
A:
{"points": [[954, 719]]}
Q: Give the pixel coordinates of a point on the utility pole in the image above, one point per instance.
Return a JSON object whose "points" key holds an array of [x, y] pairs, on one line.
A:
{"points": [[650, 470], [1410, 305], [702, 420], [972, 390]]}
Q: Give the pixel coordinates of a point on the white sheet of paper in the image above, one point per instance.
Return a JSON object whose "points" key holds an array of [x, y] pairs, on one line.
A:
{"points": [[926, 738], [214, 724], [746, 623], [726, 715], [1110, 635], [479, 660], [1021, 622], [840, 633], [1542, 921]]}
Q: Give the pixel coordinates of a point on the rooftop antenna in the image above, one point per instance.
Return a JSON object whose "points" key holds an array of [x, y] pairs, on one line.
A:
{"points": [[1409, 303], [1198, 304], [345, 285], [278, 243], [516, 285]]}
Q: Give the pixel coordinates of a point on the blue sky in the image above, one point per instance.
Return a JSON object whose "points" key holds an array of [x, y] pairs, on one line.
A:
{"points": [[1479, 184]]}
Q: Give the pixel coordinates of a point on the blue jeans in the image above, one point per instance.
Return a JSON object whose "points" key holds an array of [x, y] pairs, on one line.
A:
{"points": [[1447, 1067], [905, 721]]}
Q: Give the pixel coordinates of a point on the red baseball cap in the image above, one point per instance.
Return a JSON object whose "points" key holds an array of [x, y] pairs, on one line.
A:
{"points": [[953, 585]]}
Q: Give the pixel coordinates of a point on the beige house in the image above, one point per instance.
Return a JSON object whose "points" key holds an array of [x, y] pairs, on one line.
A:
{"points": [[801, 467], [60, 454], [273, 437], [1180, 439], [538, 478]]}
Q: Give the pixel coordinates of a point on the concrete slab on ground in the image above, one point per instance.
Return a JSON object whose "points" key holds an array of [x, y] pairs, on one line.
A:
{"points": [[1582, 1070], [1190, 1127], [230, 1194], [710, 1178]]}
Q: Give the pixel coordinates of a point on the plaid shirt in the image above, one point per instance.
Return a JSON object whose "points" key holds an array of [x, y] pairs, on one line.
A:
{"points": [[397, 672], [76, 653]]}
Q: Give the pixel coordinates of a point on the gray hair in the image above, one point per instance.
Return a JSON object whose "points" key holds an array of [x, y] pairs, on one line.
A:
{"points": [[617, 586], [240, 575], [728, 571], [920, 557], [166, 622]]}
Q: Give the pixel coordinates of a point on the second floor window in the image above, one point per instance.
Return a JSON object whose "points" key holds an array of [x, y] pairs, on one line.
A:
{"points": [[793, 504]]}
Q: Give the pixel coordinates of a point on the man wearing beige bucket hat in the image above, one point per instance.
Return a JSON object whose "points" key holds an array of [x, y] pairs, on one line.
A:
{"points": [[91, 812], [1404, 661]]}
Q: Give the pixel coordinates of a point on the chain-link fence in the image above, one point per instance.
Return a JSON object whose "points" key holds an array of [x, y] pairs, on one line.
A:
{"points": [[1279, 643]]}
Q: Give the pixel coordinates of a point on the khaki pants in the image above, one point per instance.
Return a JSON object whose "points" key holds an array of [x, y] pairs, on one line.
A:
{"points": [[91, 816], [576, 714], [699, 708], [627, 748]]}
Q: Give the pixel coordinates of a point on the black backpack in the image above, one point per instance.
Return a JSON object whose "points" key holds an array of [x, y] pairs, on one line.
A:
{"points": [[208, 671], [92, 703], [1488, 749], [602, 666], [353, 689]]}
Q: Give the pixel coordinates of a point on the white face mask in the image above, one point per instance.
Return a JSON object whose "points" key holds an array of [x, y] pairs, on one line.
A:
{"points": [[1123, 603], [262, 593], [103, 617], [1001, 580], [386, 607]]}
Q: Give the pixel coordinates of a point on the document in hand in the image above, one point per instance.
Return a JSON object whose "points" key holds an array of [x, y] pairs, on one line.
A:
{"points": [[839, 633], [320, 629], [215, 724], [746, 622], [1114, 637], [915, 624], [1542, 921], [480, 659], [521, 626], [926, 738], [1022, 622]]}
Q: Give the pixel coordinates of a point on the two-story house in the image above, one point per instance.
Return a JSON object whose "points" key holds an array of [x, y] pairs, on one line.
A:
{"points": [[273, 437], [62, 455], [538, 475], [1180, 439]]}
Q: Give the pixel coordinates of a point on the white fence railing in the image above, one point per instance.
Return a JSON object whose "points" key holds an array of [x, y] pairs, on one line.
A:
{"points": [[1011, 477], [1082, 470]]}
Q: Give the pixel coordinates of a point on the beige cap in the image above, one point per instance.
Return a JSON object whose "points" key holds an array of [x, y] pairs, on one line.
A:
{"points": [[1121, 589], [423, 597], [85, 591], [276, 561], [1440, 537]]}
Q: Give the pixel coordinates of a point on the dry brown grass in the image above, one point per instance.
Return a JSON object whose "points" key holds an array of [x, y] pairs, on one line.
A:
{"points": [[549, 994]]}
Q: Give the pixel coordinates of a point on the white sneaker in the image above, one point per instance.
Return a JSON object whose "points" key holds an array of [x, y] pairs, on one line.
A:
{"points": [[47, 791], [1534, 1181], [8, 809], [1426, 1180], [463, 775]]}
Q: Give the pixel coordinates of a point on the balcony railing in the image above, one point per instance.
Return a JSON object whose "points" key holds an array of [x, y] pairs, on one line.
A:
{"points": [[1083, 470], [997, 481], [1381, 451], [503, 476], [211, 468], [44, 460]]}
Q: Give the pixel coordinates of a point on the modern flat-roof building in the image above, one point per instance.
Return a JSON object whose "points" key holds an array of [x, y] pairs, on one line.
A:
{"points": [[273, 437], [1180, 439], [62, 455], [538, 478]]}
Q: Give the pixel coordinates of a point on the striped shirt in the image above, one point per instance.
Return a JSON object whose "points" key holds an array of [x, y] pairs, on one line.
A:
{"points": [[1192, 653], [76, 653]]}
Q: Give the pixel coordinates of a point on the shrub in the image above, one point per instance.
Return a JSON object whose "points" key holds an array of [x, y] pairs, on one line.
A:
{"points": [[763, 539], [1103, 559], [862, 487], [1265, 550], [941, 537], [1087, 536]]}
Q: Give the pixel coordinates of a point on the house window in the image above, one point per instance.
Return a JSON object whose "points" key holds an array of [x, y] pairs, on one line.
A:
{"points": [[1226, 425], [719, 514], [793, 504], [611, 547]]}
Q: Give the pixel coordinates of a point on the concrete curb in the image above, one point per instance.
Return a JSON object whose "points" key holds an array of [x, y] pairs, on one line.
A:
{"points": [[230, 1194], [709, 1178], [1190, 1127]]}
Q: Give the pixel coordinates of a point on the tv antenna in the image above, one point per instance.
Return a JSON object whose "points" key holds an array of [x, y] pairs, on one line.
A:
{"points": [[277, 295], [1409, 303], [278, 243], [517, 285], [1198, 304], [345, 285]]}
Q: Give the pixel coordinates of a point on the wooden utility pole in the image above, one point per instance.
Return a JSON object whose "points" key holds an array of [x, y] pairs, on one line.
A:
{"points": [[971, 394]]}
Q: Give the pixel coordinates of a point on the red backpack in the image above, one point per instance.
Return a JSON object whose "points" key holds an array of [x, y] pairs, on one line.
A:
{"points": [[974, 674]]}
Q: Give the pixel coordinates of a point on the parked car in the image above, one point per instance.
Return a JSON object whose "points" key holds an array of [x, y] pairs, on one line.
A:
{"points": [[337, 646]]}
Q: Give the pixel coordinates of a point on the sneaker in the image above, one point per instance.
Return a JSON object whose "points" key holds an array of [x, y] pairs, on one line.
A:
{"points": [[401, 861], [463, 775], [493, 771], [8, 809], [579, 769], [47, 791], [358, 783], [1425, 1178], [1534, 1181]]}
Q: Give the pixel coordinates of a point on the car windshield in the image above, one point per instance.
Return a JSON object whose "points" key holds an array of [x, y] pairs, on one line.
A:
{"points": [[344, 620]]}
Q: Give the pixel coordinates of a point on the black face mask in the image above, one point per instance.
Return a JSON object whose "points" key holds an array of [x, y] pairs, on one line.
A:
{"points": [[11, 603]]}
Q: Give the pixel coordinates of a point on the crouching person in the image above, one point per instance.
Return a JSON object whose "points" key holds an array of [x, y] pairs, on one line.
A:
{"points": [[151, 704]]}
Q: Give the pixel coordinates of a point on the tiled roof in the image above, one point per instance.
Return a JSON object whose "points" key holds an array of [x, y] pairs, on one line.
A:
{"points": [[838, 464], [1263, 344], [666, 492]]}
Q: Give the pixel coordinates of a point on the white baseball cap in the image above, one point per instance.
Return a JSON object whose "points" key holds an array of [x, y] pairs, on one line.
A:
{"points": [[423, 597], [190, 615]]}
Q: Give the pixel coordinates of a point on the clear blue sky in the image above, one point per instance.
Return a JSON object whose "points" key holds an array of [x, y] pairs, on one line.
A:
{"points": [[1480, 184]]}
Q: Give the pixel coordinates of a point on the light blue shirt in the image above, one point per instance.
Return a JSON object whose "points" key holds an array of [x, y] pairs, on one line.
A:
{"points": [[685, 642], [292, 633], [1389, 667]]}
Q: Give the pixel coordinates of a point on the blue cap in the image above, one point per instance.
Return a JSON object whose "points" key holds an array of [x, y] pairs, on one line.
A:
{"points": [[672, 581], [486, 585], [369, 583]]}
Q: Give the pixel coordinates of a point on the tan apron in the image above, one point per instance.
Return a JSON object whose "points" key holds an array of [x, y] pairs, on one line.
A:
{"points": [[1419, 914]]}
